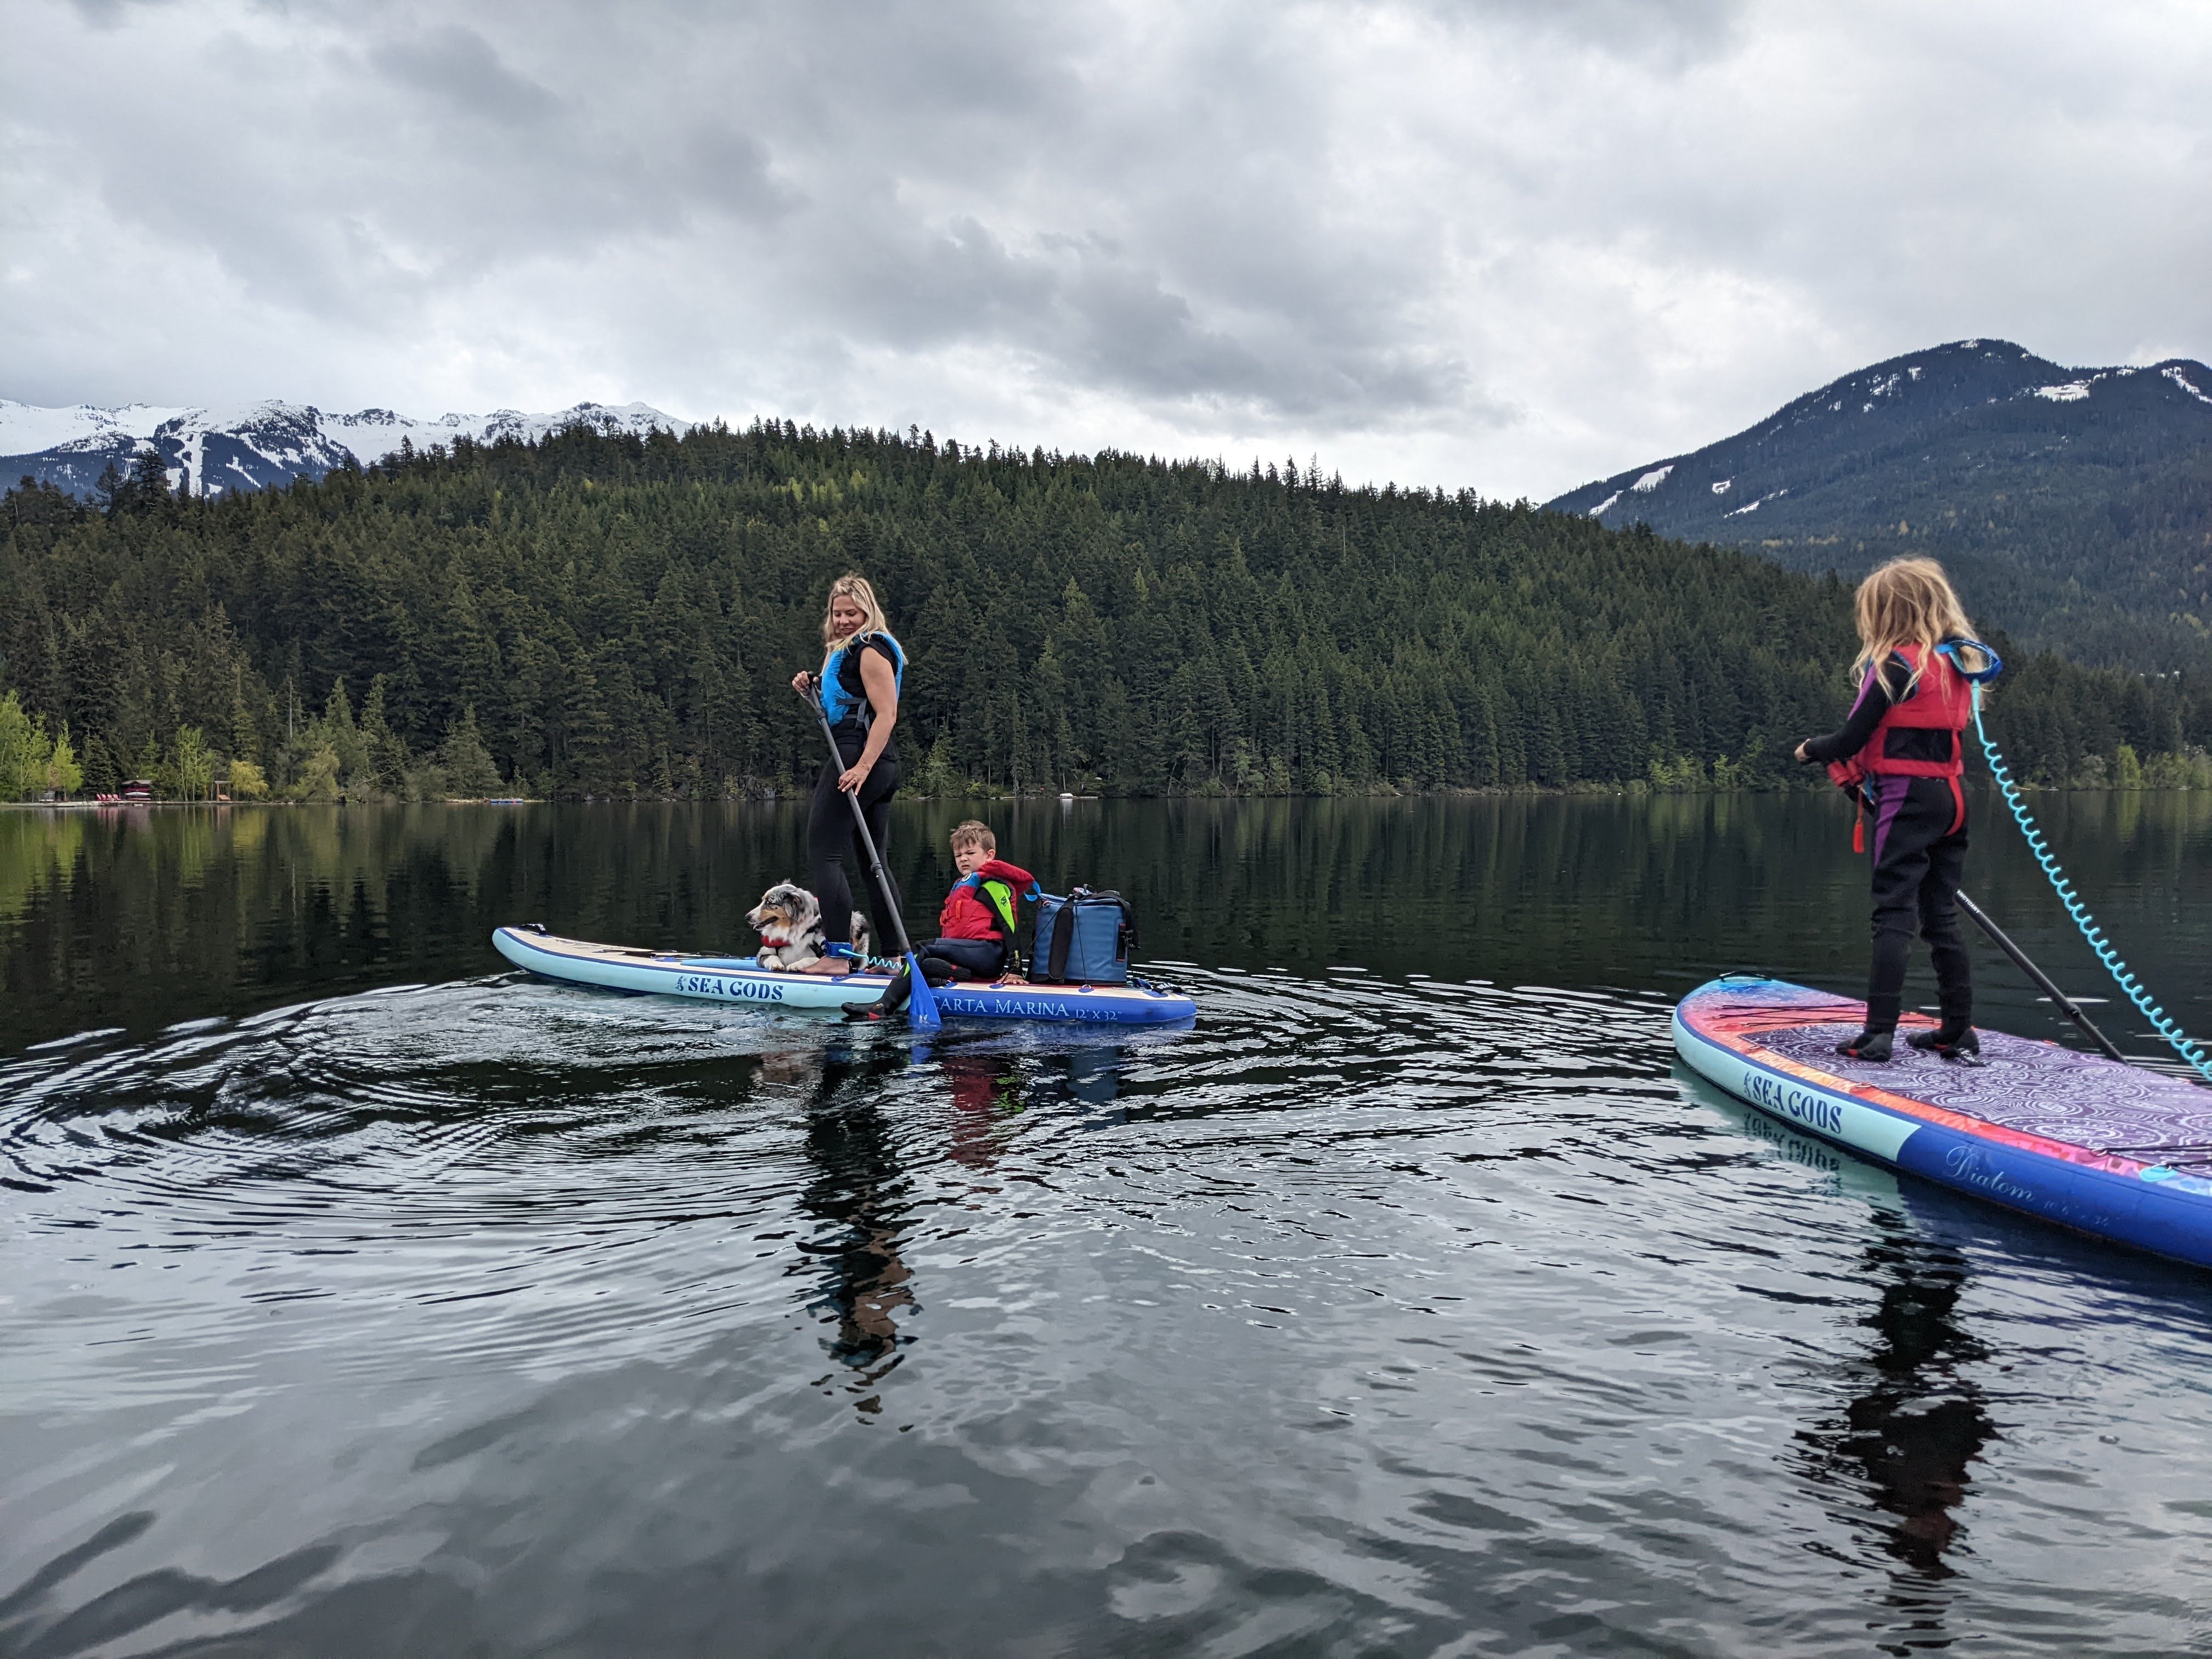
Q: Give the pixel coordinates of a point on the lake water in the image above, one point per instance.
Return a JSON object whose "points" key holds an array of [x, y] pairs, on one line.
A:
{"points": [[365, 1298]]}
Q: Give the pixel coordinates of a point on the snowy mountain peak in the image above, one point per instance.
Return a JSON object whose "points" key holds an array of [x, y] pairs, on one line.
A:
{"points": [[1907, 406], [259, 446]]}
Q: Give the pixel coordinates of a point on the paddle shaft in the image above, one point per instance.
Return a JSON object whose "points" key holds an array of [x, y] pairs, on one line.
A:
{"points": [[860, 823], [2065, 1004]]}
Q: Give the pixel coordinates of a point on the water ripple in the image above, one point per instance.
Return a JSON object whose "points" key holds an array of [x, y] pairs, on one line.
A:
{"points": [[1369, 1315]]}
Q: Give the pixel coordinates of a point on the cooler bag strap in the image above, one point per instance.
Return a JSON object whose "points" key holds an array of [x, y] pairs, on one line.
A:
{"points": [[1063, 936]]}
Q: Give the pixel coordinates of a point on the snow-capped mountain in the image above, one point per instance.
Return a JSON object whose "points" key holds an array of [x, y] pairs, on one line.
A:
{"points": [[210, 451], [1862, 446], [2075, 503]]}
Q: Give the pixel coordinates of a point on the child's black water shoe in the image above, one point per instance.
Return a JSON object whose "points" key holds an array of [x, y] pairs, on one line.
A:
{"points": [[1872, 1047], [1948, 1043]]}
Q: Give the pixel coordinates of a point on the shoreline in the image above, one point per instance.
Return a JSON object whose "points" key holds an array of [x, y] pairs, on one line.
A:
{"points": [[1591, 791]]}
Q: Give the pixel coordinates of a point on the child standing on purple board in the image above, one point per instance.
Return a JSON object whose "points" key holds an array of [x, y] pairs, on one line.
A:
{"points": [[1902, 748]]}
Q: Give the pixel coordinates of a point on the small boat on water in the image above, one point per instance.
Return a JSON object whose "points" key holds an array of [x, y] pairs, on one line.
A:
{"points": [[2108, 1149], [743, 980]]}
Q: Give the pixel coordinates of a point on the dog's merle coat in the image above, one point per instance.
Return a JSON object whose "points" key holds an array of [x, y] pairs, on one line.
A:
{"points": [[788, 919]]}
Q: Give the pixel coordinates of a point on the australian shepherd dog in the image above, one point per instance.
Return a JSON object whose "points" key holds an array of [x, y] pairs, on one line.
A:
{"points": [[788, 919]]}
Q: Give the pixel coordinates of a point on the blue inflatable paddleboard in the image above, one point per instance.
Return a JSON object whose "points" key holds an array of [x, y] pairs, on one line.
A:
{"points": [[742, 980]]}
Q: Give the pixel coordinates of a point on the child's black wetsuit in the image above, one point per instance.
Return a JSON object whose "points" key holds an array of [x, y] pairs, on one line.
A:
{"points": [[1919, 846]]}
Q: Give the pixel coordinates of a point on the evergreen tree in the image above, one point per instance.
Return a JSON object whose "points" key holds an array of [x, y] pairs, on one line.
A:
{"points": [[34, 504], [245, 735], [470, 770], [338, 731], [388, 762], [146, 490], [101, 774], [111, 491]]}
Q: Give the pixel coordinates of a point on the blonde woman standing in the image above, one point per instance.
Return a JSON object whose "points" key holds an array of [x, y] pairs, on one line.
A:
{"points": [[863, 671], [1903, 750]]}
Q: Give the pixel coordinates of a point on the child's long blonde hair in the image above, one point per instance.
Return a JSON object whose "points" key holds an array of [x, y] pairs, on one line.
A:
{"points": [[855, 588], [1908, 601]]}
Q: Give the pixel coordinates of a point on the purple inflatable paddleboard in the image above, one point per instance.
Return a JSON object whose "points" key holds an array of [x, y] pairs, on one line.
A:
{"points": [[2110, 1149]]}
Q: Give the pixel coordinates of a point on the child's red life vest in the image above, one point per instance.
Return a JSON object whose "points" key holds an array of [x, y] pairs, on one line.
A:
{"points": [[1941, 701], [982, 906]]}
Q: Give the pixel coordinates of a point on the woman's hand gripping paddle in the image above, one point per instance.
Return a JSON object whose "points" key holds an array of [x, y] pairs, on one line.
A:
{"points": [[920, 1001]]}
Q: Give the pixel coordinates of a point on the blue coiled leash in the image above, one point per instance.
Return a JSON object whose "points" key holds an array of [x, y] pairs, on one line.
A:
{"points": [[2036, 844]]}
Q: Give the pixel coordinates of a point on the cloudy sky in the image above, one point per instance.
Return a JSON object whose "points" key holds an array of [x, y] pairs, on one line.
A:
{"points": [[1505, 244]]}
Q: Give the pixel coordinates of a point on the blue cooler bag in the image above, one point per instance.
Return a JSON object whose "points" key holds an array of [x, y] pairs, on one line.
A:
{"points": [[1083, 939]]}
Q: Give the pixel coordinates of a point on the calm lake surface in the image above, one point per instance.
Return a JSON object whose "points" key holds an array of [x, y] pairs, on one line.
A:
{"points": [[363, 1297]]}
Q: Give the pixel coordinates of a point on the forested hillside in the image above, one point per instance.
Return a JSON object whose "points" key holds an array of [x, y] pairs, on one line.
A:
{"points": [[616, 616]]}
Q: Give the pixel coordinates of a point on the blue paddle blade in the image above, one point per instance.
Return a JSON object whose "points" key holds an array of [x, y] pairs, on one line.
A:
{"points": [[920, 1001]]}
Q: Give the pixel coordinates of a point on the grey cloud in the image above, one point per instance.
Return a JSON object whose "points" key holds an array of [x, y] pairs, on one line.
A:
{"points": [[459, 67], [110, 13], [1083, 306], [727, 172], [947, 178], [1673, 34]]}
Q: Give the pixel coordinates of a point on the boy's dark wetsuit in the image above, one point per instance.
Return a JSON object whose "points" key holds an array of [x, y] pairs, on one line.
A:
{"points": [[975, 933], [1912, 755]]}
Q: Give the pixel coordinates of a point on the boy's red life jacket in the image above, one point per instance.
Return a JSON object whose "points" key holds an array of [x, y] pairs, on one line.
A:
{"points": [[1941, 701], [982, 906]]}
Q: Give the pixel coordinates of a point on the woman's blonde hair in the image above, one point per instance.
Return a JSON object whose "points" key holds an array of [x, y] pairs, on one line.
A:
{"points": [[1907, 602], [855, 588]]}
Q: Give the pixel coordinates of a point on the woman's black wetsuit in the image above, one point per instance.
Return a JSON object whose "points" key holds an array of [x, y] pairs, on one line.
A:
{"points": [[1919, 856], [830, 833]]}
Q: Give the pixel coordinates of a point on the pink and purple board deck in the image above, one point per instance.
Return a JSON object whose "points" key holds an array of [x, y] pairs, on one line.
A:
{"points": [[2111, 1150]]}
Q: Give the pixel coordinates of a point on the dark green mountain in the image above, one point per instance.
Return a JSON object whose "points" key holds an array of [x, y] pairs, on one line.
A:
{"points": [[2073, 505], [612, 615]]}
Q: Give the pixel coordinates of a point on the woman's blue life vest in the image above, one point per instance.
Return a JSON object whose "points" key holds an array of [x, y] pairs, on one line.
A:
{"points": [[844, 699]]}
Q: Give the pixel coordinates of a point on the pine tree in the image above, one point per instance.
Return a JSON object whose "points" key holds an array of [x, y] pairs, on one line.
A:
{"points": [[147, 491], [470, 770], [338, 731], [245, 735], [388, 761], [113, 490], [101, 774]]}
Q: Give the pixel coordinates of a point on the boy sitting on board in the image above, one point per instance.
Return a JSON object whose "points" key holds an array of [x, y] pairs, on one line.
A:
{"points": [[976, 929]]}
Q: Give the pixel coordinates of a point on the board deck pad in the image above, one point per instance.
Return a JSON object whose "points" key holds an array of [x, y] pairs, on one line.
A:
{"points": [[2032, 1087]]}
